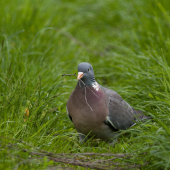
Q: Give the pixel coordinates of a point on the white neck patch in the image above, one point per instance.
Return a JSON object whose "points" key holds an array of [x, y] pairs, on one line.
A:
{"points": [[95, 86]]}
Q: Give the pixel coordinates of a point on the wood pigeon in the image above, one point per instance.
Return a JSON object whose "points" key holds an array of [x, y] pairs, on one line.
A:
{"points": [[97, 111]]}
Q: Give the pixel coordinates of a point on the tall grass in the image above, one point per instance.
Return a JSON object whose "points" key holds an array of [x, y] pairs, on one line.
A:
{"points": [[128, 44]]}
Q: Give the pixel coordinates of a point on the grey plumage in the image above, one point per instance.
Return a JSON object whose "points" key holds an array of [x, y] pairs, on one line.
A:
{"points": [[97, 111]]}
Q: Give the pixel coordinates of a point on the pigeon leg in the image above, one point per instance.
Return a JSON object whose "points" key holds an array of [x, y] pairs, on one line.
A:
{"points": [[82, 138], [112, 143]]}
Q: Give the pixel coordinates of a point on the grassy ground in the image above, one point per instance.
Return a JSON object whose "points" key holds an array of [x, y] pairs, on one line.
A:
{"points": [[128, 44]]}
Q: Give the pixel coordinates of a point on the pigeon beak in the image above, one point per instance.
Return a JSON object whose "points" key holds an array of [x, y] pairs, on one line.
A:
{"points": [[80, 75]]}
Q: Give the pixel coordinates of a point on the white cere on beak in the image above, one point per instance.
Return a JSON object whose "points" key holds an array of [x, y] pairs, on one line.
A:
{"points": [[80, 75]]}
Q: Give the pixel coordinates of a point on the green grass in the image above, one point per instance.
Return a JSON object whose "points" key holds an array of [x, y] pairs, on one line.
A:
{"points": [[128, 44]]}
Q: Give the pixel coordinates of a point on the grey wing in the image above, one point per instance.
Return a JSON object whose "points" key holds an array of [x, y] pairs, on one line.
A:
{"points": [[121, 114]]}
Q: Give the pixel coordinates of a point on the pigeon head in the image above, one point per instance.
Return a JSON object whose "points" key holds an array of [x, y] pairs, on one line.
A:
{"points": [[86, 74]]}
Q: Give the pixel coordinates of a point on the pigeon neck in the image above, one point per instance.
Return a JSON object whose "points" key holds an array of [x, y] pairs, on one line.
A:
{"points": [[94, 85], [87, 82]]}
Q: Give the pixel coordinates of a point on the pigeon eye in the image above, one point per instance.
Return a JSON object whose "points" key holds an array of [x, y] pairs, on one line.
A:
{"points": [[88, 69]]}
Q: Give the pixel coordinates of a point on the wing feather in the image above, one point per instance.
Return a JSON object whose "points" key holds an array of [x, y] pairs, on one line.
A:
{"points": [[121, 114]]}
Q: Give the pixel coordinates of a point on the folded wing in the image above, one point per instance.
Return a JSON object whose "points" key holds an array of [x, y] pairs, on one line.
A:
{"points": [[121, 114]]}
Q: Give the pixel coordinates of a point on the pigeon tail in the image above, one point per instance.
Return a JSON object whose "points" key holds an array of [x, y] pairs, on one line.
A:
{"points": [[140, 116]]}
